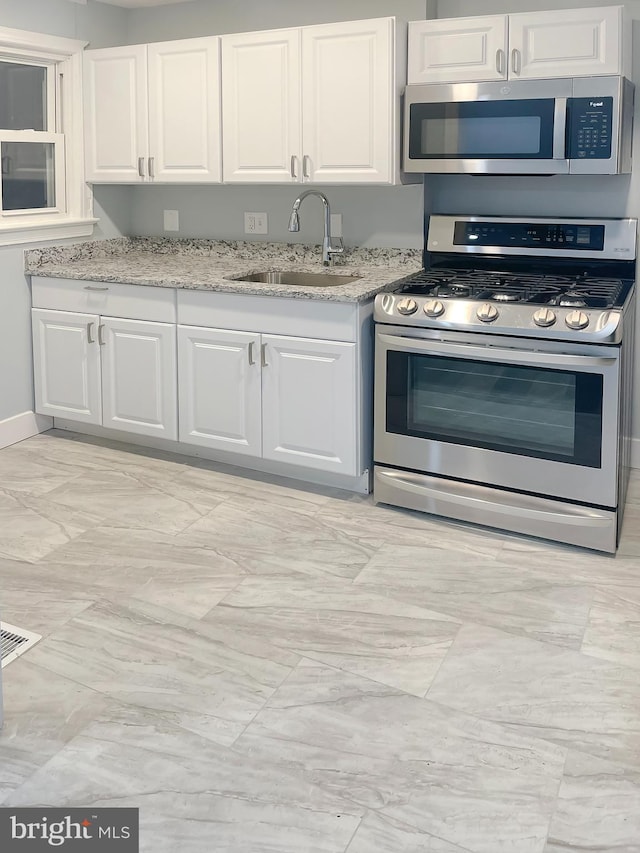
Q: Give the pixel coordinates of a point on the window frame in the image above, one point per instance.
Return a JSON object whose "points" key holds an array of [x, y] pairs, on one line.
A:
{"points": [[64, 59]]}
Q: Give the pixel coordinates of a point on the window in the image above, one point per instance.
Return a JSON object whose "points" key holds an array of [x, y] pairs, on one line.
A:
{"points": [[42, 192]]}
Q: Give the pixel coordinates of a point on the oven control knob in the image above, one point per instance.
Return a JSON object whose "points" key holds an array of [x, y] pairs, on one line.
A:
{"points": [[577, 320], [544, 317], [487, 313], [434, 308], [407, 306]]}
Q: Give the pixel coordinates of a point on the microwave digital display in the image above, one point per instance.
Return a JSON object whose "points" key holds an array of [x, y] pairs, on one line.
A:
{"points": [[502, 234]]}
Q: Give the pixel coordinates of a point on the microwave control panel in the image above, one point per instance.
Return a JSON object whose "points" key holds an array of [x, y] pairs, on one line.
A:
{"points": [[590, 127]]}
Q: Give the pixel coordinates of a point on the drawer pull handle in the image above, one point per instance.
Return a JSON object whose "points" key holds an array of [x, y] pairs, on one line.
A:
{"points": [[101, 334], [90, 340], [89, 287], [263, 355]]}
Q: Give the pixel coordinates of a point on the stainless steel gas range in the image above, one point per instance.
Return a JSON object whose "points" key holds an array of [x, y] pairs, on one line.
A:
{"points": [[504, 377]]}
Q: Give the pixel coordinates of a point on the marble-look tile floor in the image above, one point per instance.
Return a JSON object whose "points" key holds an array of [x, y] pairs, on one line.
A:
{"points": [[264, 667]]}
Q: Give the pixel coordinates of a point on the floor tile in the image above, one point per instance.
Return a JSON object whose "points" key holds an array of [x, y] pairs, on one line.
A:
{"points": [[381, 834], [192, 793], [598, 808], [613, 627], [32, 527], [480, 589], [469, 782], [152, 566], [207, 681], [264, 539], [540, 689], [42, 712], [342, 625]]}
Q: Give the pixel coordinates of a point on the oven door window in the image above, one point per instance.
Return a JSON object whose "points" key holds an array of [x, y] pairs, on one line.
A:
{"points": [[529, 411], [482, 130]]}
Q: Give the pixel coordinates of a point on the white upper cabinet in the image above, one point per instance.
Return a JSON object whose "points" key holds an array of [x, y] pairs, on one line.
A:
{"points": [[458, 49], [184, 111], [261, 106], [312, 105], [348, 102], [527, 45], [567, 43], [115, 114], [152, 112]]}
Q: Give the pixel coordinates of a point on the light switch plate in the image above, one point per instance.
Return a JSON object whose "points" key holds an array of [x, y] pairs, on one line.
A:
{"points": [[171, 220], [255, 223]]}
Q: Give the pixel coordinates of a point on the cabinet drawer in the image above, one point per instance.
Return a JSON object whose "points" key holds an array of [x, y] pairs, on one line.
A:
{"points": [[130, 301], [275, 315]]}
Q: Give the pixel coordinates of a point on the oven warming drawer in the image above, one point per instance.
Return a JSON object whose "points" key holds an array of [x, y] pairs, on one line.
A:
{"points": [[534, 516]]}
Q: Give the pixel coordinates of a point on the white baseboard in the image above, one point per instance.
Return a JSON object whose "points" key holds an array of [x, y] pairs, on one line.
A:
{"points": [[635, 452], [19, 427]]}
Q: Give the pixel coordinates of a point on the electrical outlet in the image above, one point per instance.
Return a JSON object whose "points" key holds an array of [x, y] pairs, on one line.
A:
{"points": [[171, 220], [255, 223], [336, 225]]}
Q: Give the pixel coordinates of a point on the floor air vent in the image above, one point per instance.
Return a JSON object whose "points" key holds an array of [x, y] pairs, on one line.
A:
{"points": [[15, 642]]}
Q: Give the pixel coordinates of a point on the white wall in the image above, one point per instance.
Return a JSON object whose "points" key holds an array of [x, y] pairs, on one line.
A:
{"points": [[103, 25], [371, 216]]}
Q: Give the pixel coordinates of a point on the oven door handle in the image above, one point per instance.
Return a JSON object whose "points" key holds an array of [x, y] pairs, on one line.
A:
{"points": [[526, 359]]}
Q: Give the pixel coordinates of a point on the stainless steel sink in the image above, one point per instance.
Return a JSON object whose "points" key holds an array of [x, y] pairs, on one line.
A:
{"points": [[299, 279]]}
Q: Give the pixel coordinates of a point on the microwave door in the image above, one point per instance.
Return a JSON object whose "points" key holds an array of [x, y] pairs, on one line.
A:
{"points": [[507, 136]]}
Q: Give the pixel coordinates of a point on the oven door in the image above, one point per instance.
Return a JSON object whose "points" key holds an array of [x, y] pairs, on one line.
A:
{"points": [[542, 421], [518, 128]]}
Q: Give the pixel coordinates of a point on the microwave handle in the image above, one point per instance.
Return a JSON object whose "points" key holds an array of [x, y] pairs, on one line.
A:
{"points": [[560, 119]]}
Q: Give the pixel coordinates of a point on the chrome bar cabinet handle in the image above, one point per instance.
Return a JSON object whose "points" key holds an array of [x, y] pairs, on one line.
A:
{"points": [[90, 340], [90, 287], [294, 166], [306, 163], [252, 360], [152, 172], [141, 166], [516, 61], [500, 57], [263, 355], [101, 334]]}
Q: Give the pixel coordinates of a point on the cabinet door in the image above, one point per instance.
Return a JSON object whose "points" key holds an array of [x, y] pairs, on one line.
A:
{"points": [[139, 377], [261, 107], [566, 43], [348, 102], [115, 114], [184, 111], [309, 403], [454, 50], [66, 359], [220, 389]]}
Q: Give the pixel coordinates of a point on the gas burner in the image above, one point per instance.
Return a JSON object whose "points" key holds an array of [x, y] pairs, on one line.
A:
{"points": [[571, 299], [506, 296], [452, 291]]}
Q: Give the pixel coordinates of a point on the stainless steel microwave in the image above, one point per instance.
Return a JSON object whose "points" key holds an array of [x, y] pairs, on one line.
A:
{"points": [[570, 126]]}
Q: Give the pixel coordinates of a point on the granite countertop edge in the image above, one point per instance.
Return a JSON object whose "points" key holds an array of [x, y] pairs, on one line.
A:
{"points": [[216, 265]]}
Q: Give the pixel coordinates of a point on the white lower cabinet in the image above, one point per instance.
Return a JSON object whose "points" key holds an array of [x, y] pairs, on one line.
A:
{"points": [[139, 377], [284, 399], [66, 361], [220, 393], [104, 370], [309, 395]]}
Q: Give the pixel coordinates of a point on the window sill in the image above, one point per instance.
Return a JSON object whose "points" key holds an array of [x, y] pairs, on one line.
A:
{"points": [[39, 232]]}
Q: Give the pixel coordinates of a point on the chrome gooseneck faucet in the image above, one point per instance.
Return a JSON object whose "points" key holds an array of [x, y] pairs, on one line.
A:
{"points": [[328, 247]]}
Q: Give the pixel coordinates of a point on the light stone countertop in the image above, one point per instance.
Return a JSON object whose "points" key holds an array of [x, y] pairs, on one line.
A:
{"points": [[213, 264]]}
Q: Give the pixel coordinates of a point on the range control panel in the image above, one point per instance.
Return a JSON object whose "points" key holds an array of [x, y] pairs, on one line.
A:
{"points": [[590, 127], [547, 235]]}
